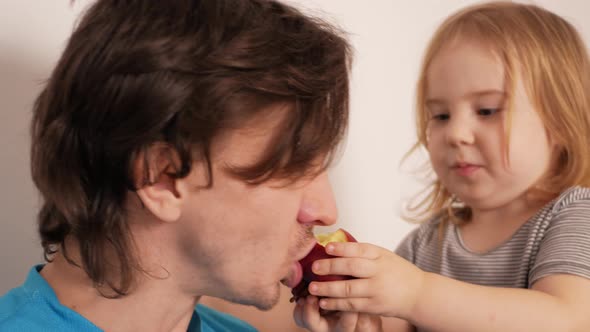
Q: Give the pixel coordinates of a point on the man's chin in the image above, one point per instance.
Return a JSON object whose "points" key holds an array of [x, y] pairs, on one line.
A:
{"points": [[261, 299], [266, 306], [269, 300]]}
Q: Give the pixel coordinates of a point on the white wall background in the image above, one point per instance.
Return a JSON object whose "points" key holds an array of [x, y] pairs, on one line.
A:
{"points": [[388, 36]]}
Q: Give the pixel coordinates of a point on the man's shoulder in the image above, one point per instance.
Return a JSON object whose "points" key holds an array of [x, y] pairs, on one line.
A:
{"points": [[34, 307], [216, 321], [17, 312]]}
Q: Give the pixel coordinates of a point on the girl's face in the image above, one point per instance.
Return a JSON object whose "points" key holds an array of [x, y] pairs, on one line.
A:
{"points": [[466, 104]]}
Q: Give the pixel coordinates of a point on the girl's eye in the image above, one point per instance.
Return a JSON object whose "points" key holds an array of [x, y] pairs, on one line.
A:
{"points": [[441, 116], [487, 111]]}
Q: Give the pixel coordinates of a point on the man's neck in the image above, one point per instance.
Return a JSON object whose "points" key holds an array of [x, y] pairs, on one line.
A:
{"points": [[154, 304]]}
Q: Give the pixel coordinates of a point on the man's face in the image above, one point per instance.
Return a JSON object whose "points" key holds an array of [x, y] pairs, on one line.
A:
{"points": [[239, 241]]}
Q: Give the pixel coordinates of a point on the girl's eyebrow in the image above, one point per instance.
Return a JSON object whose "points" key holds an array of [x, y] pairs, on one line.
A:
{"points": [[470, 95]]}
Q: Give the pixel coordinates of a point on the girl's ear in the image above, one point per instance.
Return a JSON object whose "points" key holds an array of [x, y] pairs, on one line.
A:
{"points": [[154, 172]]}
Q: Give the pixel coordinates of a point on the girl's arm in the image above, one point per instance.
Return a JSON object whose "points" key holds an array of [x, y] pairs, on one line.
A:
{"points": [[391, 286], [555, 303]]}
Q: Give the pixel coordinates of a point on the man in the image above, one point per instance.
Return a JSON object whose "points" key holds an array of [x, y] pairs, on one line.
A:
{"points": [[180, 149]]}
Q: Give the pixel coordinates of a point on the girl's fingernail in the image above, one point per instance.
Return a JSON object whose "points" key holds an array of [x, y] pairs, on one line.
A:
{"points": [[315, 267], [313, 288], [329, 248]]}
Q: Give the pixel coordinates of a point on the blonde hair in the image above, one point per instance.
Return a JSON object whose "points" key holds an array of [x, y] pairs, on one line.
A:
{"points": [[548, 54]]}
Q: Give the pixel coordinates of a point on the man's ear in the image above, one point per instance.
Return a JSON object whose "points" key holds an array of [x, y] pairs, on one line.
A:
{"points": [[153, 171]]}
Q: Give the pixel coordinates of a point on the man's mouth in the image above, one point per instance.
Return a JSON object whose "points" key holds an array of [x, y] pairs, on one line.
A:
{"points": [[294, 277], [295, 273]]}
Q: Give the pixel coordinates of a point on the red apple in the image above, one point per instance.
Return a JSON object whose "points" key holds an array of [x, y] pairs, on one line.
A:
{"points": [[319, 252]]}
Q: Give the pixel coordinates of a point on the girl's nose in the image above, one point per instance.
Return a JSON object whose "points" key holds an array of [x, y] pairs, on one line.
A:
{"points": [[460, 131]]}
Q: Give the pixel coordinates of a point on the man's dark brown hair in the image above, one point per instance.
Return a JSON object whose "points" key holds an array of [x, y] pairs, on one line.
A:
{"points": [[141, 72]]}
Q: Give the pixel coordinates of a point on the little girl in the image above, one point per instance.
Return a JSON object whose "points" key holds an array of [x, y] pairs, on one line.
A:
{"points": [[503, 109]]}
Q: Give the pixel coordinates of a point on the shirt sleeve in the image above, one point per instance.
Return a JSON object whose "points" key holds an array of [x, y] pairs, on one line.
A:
{"points": [[565, 247]]}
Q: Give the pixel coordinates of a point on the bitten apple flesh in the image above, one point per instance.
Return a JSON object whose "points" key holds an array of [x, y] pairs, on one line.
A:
{"points": [[319, 252]]}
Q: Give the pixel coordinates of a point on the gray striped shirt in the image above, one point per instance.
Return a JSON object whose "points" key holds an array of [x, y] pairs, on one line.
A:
{"points": [[555, 241]]}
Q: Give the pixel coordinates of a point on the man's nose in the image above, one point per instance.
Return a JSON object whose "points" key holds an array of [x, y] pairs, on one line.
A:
{"points": [[460, 130], [318, 206]]}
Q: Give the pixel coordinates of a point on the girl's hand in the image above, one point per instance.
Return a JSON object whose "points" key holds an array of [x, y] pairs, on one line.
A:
{"points": [[307, 315], [388, 285]]}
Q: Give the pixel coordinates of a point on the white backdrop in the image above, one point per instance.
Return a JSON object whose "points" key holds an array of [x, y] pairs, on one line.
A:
{"points": [[389, 37]]}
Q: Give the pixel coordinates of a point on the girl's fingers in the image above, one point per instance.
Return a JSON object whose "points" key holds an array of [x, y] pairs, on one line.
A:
{"points": [[353, 288], [307, 315], [361, 304], [354, 249], [356, 267], [310, 315]]}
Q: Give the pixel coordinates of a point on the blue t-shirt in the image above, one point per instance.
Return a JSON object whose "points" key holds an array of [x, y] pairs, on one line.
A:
{"points": [[34, 307]]}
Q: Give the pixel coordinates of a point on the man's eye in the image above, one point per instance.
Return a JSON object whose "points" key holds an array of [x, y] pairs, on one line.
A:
{"points": [[487, 111], [441, 117]]}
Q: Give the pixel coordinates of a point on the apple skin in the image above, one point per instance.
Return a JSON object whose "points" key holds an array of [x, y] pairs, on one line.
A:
{"points": [[319, 252]]}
